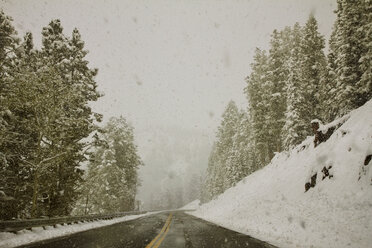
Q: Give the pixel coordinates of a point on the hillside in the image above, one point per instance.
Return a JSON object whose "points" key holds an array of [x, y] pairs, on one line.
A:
{"points": [[272, 204]]}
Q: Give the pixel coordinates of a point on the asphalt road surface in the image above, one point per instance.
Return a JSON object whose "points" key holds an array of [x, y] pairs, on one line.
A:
{"points": [[168, 229]]}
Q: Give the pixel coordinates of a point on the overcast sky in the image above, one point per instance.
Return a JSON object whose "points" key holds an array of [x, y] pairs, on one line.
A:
{"points": [[169, 63]]}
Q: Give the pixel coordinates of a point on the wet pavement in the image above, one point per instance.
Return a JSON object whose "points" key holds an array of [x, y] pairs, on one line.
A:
{"points": [[165, 230]]}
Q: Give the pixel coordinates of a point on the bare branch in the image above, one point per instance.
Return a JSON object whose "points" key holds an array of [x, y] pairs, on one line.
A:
{"points": [[51, 158], [44, 160]]}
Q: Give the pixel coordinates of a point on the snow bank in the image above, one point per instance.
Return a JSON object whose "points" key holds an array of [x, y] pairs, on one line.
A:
{"points": [[271, 204], [8, 240], [192, 205]]}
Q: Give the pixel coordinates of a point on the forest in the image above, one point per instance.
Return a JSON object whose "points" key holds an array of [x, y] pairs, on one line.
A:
{"points": [[54, 155], [57, 158], [291, 85]]}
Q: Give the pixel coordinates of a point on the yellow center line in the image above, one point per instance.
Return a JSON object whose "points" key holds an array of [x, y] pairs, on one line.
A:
{"points": [[162, 238], [165, 228]]}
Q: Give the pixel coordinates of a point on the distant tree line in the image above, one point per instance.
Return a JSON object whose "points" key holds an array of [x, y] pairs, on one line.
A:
{"points": [[173, 196], [47, 128], [290, 85]]}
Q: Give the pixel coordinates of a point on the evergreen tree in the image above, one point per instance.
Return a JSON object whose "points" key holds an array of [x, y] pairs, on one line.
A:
{"points": [[295, 127], [8, 42], [352, 26], [241, 162], [36, 107], [313, 63], [306, 69], [209, 185], [47, 117], [112, 179], [68, 57], [225, 138], [364, 85], [277, 75], [8, 145], [220, 172], [258, 93], [328, 84]]}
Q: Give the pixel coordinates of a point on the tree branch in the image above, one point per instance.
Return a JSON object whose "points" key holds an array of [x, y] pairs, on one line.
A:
{"points": [[51, 158], [44, 160]]}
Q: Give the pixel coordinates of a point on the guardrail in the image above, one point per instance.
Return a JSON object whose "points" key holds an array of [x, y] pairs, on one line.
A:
{"points": [[17, 225]]}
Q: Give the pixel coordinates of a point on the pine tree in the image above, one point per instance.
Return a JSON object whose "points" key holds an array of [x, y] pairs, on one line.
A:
{"points": [[209, 190], [313, 63], [328, 83], [296, 121], [306, 70], [67, 56], [112, 179], [8, 145], [8, 42], [220, 172], [47, 114], [277, 76], [241, 160], [225, 135], [19, 126], [258, 93], [364, 85], [351, 91], [37, 109]]}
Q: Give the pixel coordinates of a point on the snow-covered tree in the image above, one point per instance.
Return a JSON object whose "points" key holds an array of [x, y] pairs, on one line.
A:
{"points": [[313, 63], [209, 184], [277, 75], [258, 93], [364, 85], [241, 162], [112, 179], [8, 44], [68, 58], [225, 139], [8, 41], [8, 145], [47, 120], [306, 68], [295, 127], [352, 54], [232, 156], [328, 84]]}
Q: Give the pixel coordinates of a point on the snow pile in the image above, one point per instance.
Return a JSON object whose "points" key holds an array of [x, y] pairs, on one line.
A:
{"points": [[192, 205], [272, 205], [8, 240]]}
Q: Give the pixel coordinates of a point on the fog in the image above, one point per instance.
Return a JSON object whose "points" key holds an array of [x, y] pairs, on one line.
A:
{"points": [[170, 67]]}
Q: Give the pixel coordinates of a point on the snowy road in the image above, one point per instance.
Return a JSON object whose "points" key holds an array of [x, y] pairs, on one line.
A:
{"points": [[171, 230]]}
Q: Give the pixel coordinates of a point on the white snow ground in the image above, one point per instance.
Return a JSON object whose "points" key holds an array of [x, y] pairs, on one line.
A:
{"points": [[191, 206], [271, 204], [8, 240]]}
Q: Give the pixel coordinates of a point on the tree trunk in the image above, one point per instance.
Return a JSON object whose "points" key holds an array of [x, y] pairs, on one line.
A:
{"points": [[35, 194]]}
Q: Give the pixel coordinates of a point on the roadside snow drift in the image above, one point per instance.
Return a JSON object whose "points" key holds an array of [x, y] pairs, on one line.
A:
{"points": [[272, 205]]}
